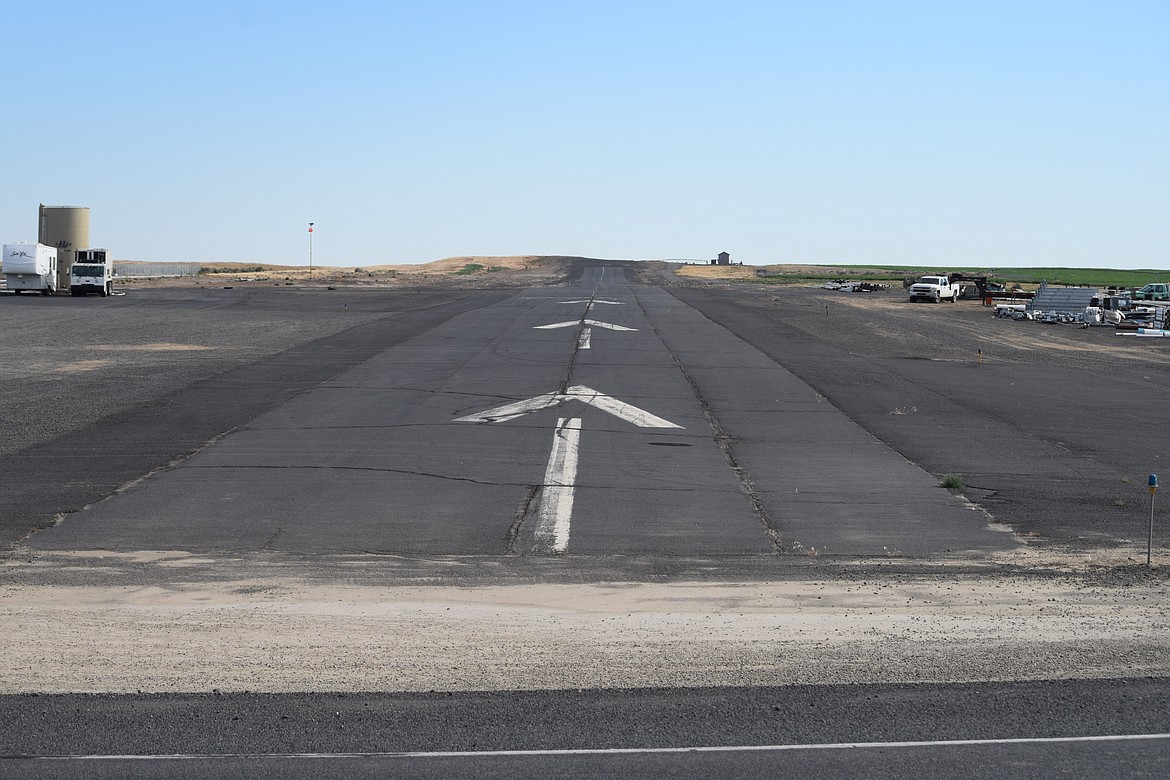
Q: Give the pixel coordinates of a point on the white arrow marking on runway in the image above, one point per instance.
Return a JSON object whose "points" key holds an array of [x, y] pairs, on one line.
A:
{"points": [[571, 323], [592, 301], [587, 395], [556, 494], [555, 511], [584, 339]]}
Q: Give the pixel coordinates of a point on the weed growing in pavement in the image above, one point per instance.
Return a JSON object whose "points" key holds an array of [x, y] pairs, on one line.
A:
{"points": [[953, 481]]}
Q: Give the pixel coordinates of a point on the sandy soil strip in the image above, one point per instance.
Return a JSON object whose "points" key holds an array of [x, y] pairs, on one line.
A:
{"points": [[286, 633]]}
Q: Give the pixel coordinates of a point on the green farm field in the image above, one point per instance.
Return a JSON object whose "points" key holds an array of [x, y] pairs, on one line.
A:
{"points": [[1089, 277]]}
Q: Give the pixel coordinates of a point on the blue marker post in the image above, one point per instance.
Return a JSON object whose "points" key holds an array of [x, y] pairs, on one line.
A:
{"points": [[1150, 541]]}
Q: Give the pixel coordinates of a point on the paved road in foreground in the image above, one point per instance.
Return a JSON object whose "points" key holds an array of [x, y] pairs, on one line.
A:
{"points": [[659, 447], [652, 431], [1106, 728]]}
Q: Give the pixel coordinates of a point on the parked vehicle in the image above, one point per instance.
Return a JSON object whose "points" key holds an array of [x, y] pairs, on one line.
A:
{"points": [[934, 288], [30, 267], [92, 272], [1152, 292]]}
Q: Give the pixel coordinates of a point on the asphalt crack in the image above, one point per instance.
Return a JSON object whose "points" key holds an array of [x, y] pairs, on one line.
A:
{"points": [[724, 441], [564, 387], [406, 472], [522, 513]]}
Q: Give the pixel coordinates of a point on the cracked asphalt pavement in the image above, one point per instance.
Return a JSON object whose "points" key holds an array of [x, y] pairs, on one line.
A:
{"points": [[374, 457]]}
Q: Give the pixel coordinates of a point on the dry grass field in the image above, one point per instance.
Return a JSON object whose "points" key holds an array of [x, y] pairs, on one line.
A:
{"points": [[458, 272], [776, 272]]}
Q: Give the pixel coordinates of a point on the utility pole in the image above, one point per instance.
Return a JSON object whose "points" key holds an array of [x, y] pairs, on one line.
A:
{"points": [[310, 250]]}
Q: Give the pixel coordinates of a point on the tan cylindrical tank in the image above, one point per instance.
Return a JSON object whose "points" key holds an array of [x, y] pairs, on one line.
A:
{"points": [[67, 228]]}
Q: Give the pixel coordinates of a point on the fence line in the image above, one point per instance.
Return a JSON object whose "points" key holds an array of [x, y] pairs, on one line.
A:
{"points": [[141, 270]]}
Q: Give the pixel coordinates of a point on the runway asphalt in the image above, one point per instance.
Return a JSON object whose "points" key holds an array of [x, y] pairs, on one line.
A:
{"points": [[1052, 428], [755, 460], [1054, 443], [79, 423]]}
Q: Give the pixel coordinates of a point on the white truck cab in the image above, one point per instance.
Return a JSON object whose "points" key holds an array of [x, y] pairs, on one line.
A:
{"points": [[92, 272]]}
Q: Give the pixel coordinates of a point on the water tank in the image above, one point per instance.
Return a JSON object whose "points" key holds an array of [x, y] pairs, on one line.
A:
{"points": [[67, 228]]}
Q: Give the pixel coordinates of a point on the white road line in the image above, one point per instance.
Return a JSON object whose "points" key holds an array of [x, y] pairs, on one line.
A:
{"points": [[587, 395], [556, 495], [518, 409], [620, 409], [583, 339], [574, 323], [566, 324], [607, 325], [607, 303], [609, 751]]}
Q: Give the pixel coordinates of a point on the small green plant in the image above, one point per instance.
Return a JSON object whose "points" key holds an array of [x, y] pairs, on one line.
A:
{"points": [[1119, 502], [953, 481]]}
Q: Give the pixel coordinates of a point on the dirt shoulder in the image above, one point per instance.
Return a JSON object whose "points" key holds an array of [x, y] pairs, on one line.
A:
{"points": [[261, 625]]}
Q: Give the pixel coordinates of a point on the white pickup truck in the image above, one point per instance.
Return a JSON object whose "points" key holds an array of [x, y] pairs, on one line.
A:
{"points": [[934, 288]]}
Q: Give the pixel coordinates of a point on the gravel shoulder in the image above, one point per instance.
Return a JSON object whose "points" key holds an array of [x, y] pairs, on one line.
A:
{"points": [[268, 625]]}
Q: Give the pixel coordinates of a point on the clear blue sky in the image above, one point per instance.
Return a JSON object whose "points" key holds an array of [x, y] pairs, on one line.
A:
{"points": [[932, 133]]}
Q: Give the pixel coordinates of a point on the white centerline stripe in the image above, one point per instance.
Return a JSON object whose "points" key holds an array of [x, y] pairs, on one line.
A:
{"points": [[556, 495], [610, 751], [583, 339]]}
